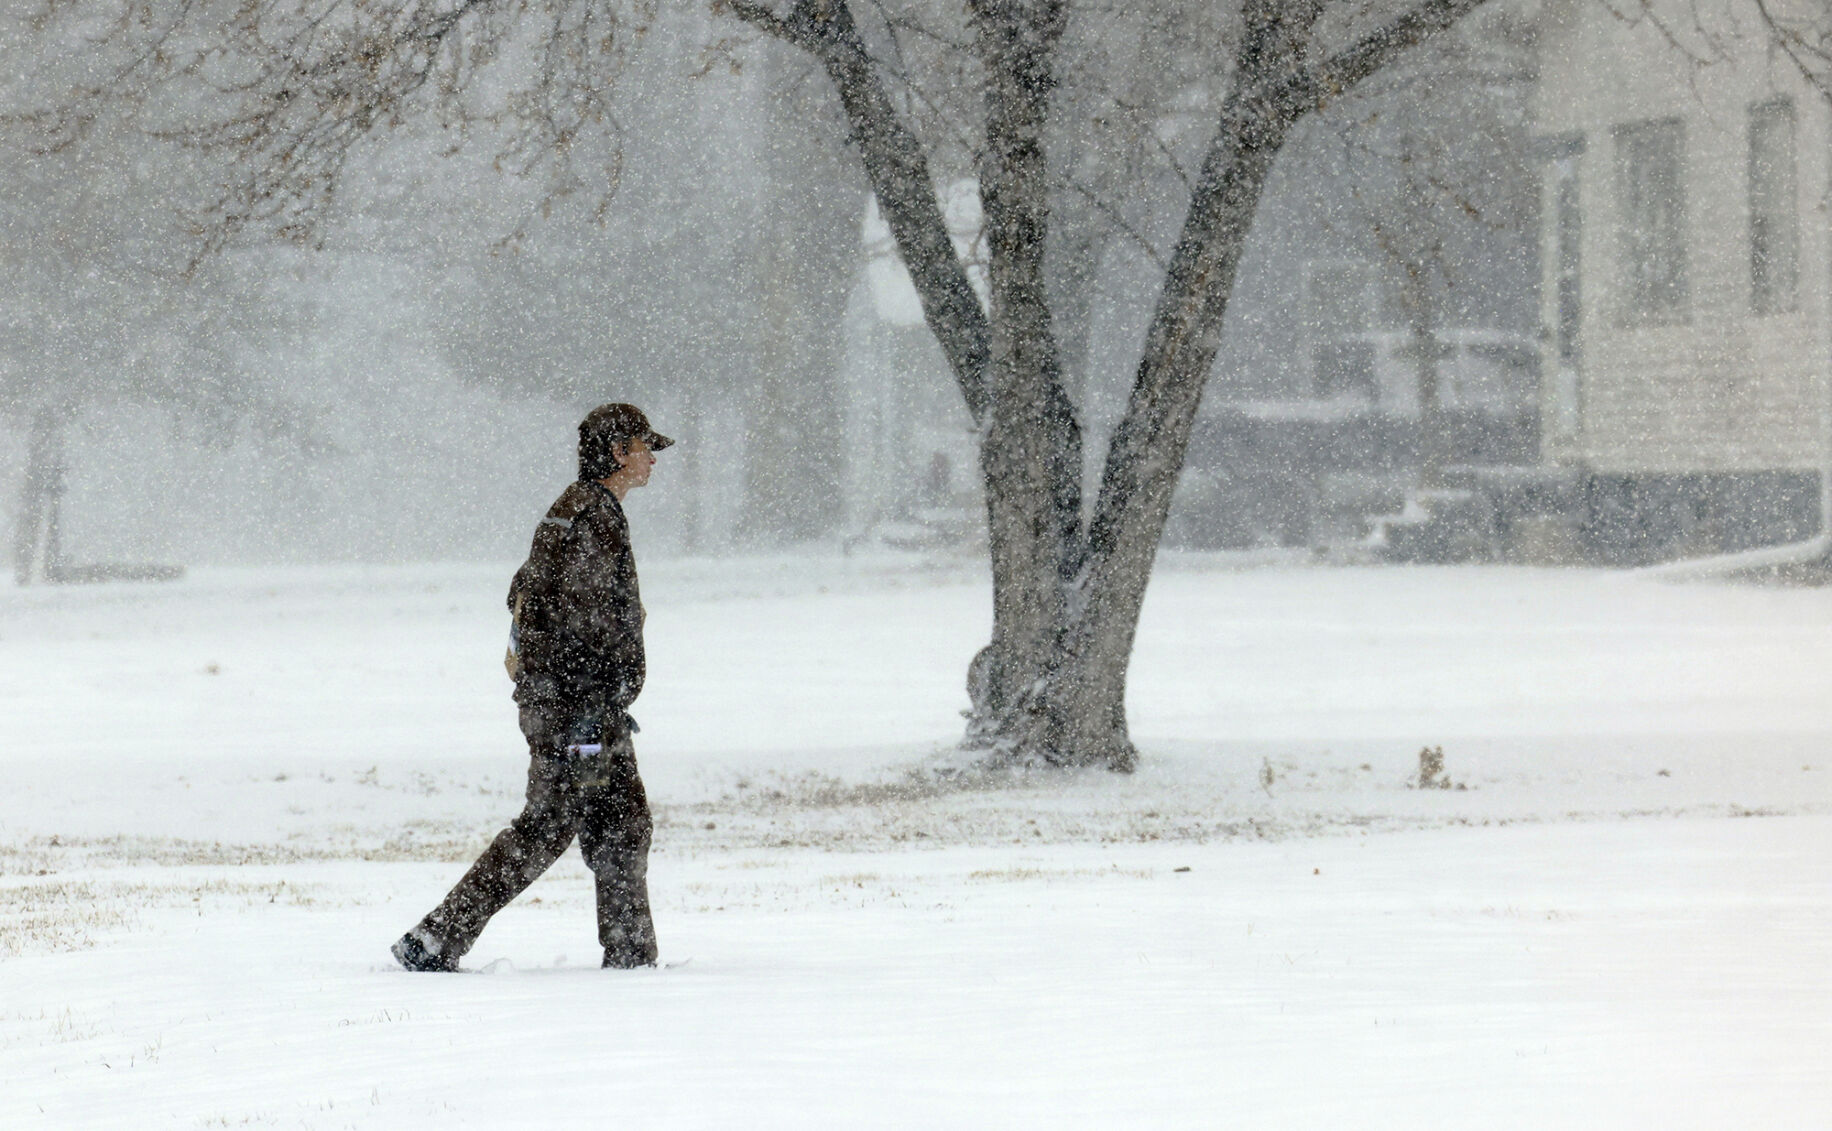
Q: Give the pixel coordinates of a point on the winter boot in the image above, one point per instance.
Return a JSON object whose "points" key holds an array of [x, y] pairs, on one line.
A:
{"points": [[627, 960], [418, 952]]}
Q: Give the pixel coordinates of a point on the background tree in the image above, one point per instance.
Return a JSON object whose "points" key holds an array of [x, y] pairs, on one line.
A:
{"points": [[100, 312], [713, 289], [290, 90]]}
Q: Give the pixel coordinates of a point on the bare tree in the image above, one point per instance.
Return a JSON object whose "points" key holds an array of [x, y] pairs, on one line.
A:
{"points": [[98, 313], [290, 88], [1068, 590]]}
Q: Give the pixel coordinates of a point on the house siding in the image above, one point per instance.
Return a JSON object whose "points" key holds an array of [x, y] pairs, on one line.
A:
{"points": [[1720, 388]]}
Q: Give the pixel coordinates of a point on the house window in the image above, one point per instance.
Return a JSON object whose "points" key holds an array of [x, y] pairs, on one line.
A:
{"points": [[1345, 368], [1561, 404], [1774, 217], [1568, 234], [1651, 204]]}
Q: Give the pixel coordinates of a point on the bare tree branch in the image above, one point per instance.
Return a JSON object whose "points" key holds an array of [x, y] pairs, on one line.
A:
{"points": [[898, 169], [1118, 220], [1805, 40], [1314, 88], [292, 89]]}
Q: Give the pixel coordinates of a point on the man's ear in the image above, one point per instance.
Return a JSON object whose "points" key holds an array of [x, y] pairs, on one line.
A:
{"points": [[620, 451]]}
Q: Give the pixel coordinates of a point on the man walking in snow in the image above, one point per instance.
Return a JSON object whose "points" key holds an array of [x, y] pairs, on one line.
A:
{"points": [[576, 654]]}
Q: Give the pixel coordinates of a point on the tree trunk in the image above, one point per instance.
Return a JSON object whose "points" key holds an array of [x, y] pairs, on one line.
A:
{"points": [[1414, 247], [1273, 90], [1426, 353], [1087, 698], [37, 552], [1030, 452]]}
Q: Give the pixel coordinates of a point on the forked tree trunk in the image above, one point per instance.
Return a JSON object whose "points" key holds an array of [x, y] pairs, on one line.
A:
{"points": [[1051, 685]]}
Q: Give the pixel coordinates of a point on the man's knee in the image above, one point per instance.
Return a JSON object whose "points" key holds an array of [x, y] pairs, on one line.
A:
{"points": [[537, 835], [543, 723], [622, 851], [638, 830]]}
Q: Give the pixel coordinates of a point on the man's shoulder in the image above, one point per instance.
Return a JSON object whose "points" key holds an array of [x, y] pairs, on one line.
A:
{"points": [[585, 504], [573, 501], [578, 500]]}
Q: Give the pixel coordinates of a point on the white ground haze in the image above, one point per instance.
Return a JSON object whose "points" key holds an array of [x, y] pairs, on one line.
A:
{"points": [[226, 796]]}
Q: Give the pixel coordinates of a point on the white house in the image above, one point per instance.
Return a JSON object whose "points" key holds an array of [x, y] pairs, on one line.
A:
{"points": [[1685, 268]]}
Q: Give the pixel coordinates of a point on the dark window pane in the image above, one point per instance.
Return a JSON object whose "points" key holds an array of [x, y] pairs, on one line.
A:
{"points": [[1774, 218], [1570, 295], [1651, 201], [1345, 368]]}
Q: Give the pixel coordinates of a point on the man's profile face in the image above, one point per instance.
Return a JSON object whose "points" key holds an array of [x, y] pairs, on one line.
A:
{"points": [[636, 461]]}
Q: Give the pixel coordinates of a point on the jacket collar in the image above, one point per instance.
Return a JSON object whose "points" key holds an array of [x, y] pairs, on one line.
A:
{"points": [[605, 494]]}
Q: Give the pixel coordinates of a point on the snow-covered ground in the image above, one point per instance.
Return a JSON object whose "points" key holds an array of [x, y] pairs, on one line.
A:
{"points": [[224, 797]]}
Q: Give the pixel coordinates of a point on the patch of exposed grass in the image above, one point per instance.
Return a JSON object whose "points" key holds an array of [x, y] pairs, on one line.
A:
{"points": [[53, 914]]}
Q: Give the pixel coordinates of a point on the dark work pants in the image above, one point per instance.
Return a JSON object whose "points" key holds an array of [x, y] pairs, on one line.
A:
{"points": [[598, 798]]}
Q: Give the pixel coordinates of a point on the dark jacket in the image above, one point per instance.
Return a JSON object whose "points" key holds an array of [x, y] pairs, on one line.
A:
{"points": [[578, 611]]}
